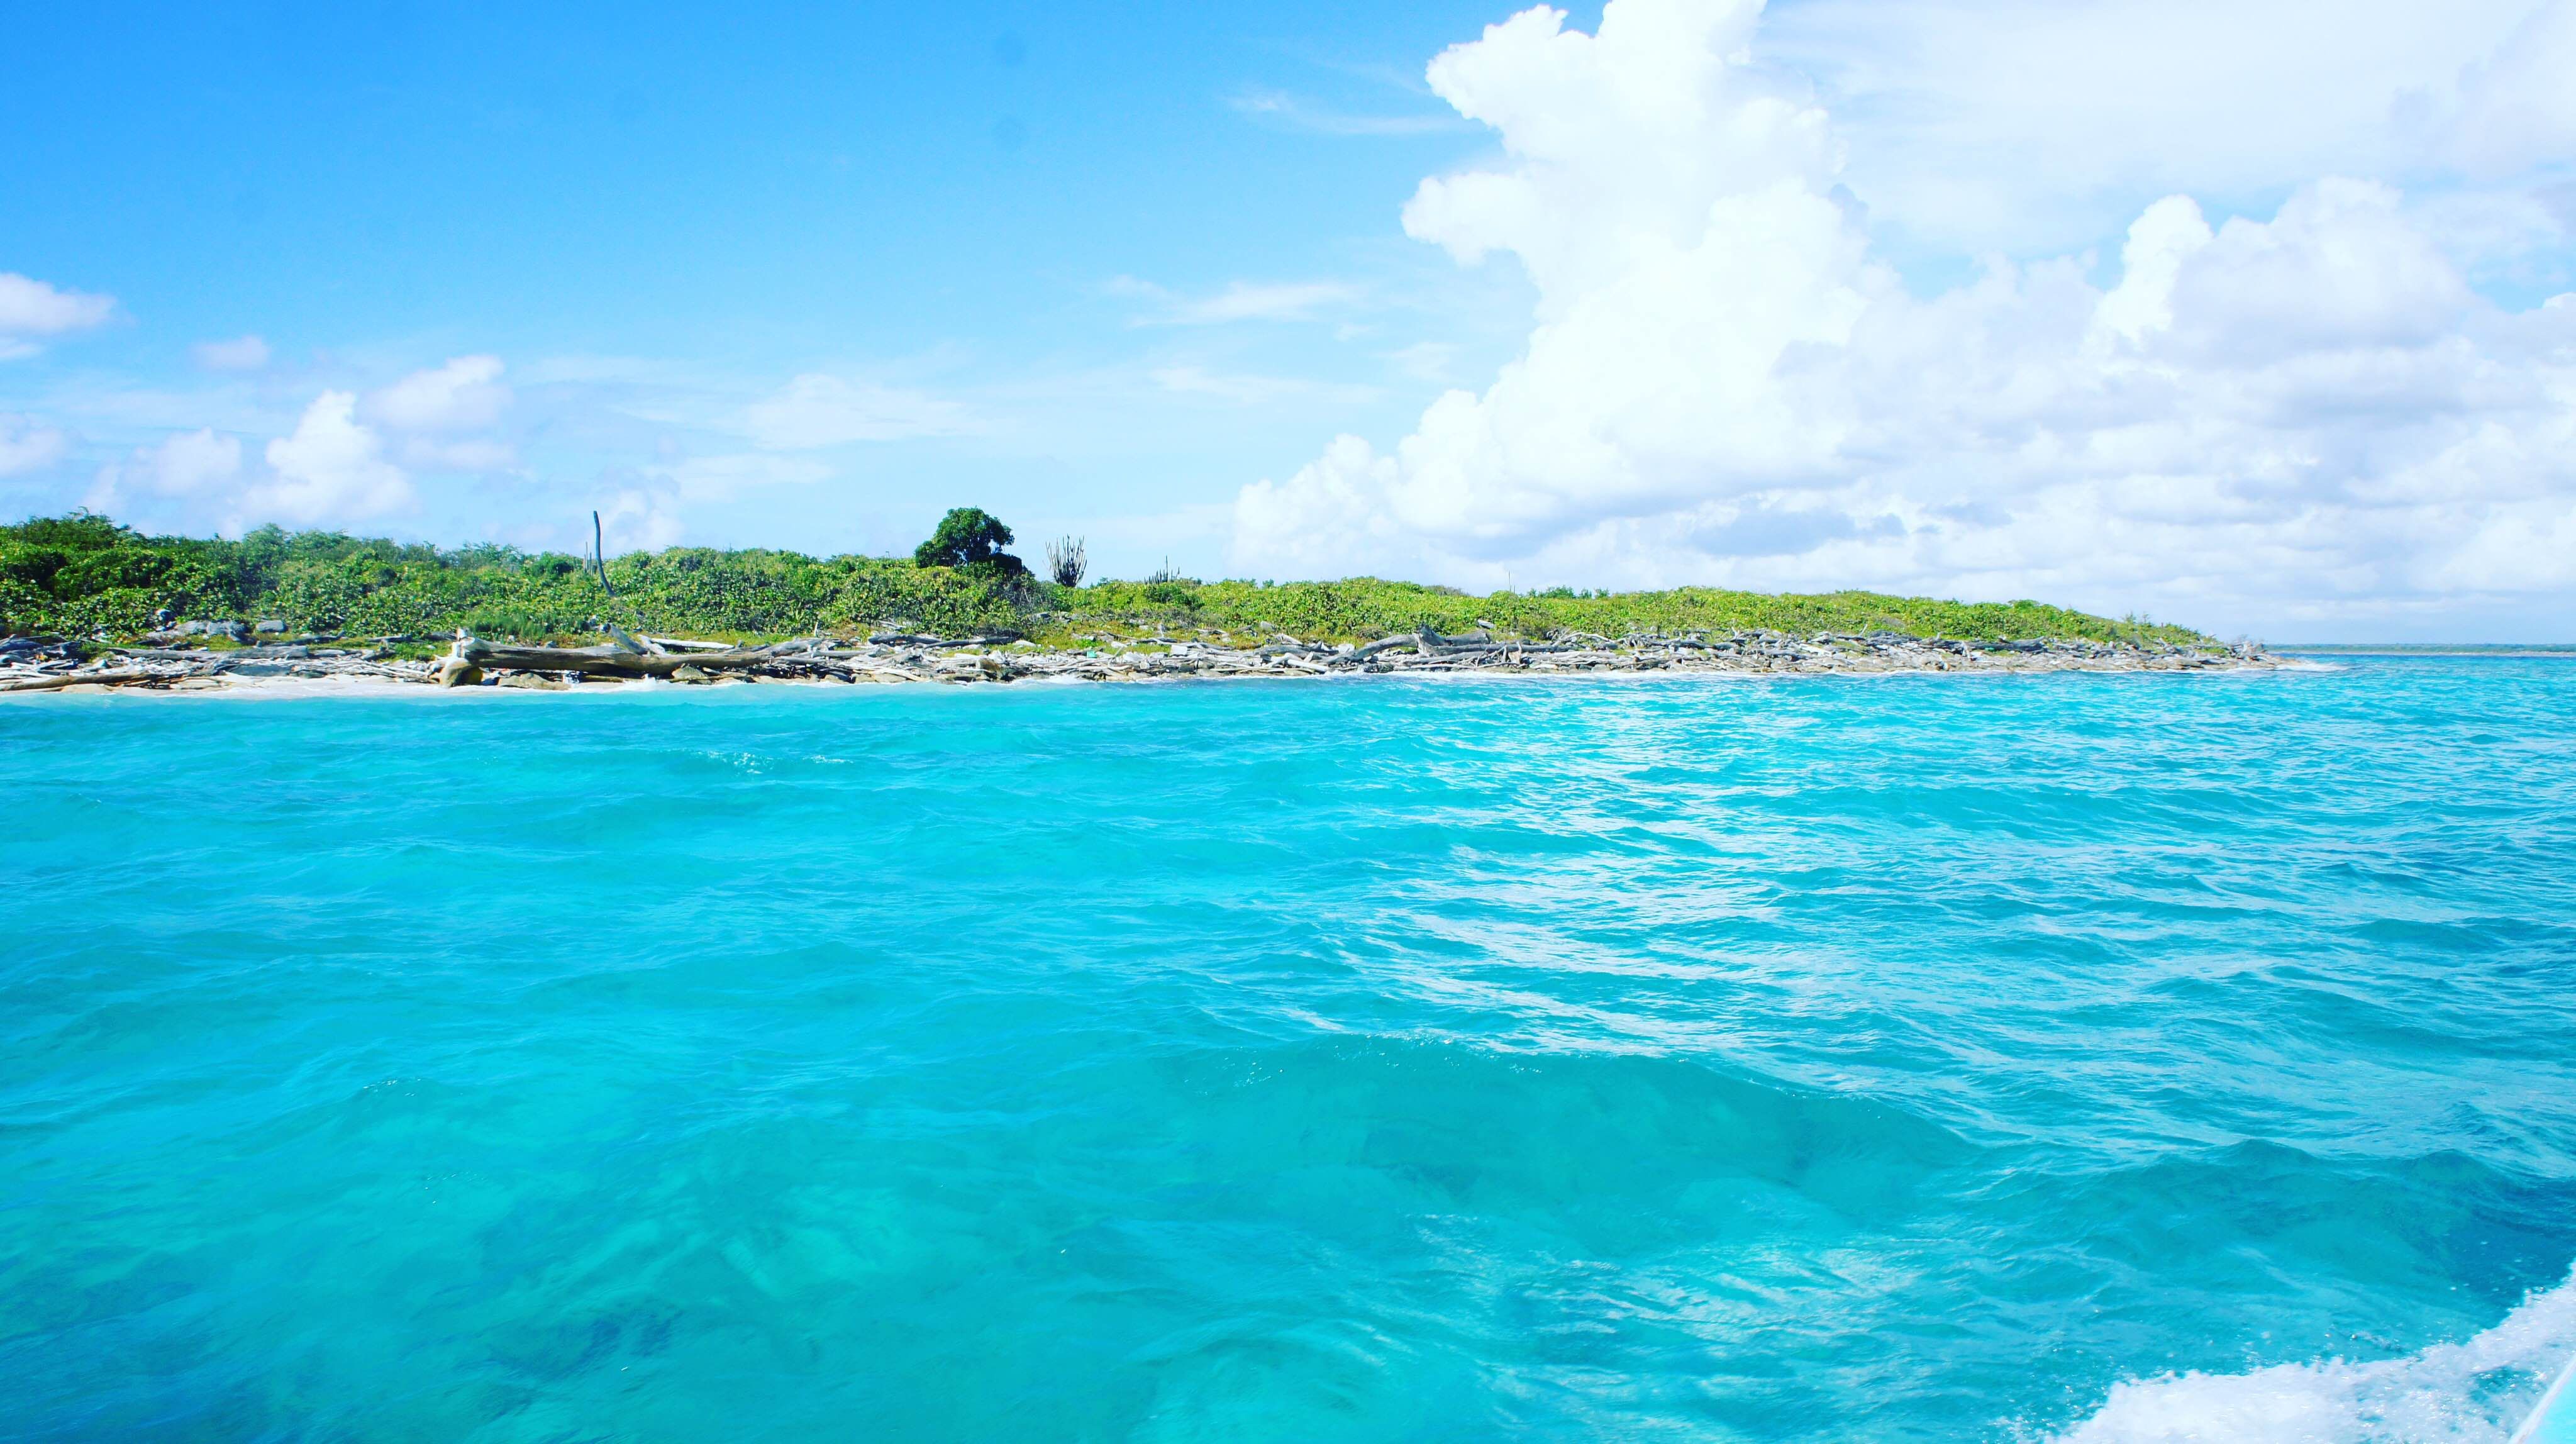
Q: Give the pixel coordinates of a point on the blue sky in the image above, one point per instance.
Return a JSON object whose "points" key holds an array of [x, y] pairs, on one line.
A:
{"points": [[754, 183], [1840, 293], [966, 197]]}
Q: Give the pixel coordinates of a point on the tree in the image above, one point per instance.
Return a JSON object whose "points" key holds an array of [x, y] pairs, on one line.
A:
{"points": [[970, 537]]}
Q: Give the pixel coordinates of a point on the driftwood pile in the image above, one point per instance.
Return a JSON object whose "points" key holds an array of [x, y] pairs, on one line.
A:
{"points": [[1751, 651], [900, 657], [26, 667]]}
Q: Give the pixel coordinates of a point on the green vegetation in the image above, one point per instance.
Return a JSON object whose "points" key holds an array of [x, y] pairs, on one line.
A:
{"points": [[87, 577], [970, 539], [1366, 607]]}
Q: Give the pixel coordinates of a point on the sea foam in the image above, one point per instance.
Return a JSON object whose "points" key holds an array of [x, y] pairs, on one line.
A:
{"points": [[2470, 1392]]}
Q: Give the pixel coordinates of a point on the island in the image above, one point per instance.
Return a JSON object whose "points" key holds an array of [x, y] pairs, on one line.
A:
{"points": [[87, 603]]}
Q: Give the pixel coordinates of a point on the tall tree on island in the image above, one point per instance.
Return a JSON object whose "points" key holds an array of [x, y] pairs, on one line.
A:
{"points": [[968, 537]]}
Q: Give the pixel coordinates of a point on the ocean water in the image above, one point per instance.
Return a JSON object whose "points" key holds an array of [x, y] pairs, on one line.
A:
{"points": [[2092, 1058]]}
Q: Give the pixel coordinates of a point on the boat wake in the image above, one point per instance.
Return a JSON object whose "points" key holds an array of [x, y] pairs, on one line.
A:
{"points": [[2464, 1393]]}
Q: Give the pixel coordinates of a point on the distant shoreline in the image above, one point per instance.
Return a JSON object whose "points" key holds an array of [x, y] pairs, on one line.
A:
{"points": [[2565, 650], [473, 662], [88, 578]]}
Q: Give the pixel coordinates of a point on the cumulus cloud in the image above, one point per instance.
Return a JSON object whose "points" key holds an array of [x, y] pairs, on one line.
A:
{"points": [[2513, 108], [332, 468], [27, 444], [463, 395], [639, 520], [2270, 418], [186, 463], [30, 309], [242, 353], [189, 461], [2037, 124], [817, 410], [433, 412]]}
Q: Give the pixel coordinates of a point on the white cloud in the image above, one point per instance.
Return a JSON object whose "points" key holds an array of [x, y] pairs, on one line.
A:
{"points": [[463, 395], [640, 521], [2170, 233], [186, 463], [1280, 108], [2515, 107], [1426, 360], [1243, 301], [469, 454], [1254, 390], [429, 408], [331, 469], [29, 445], [31, 308], [720, 478], [242, 353], [2276, 419], [190, 461], [817, 410], [2028, 125]]}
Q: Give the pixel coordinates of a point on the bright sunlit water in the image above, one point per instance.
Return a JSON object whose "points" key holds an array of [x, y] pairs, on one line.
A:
{"points": [[1907, 1059]]}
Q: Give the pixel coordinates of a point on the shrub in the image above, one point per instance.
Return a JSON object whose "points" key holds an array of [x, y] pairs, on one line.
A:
{"points": [[81, 574]]}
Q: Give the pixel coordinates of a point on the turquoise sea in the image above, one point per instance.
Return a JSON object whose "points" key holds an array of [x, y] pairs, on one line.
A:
{"points": [[2105, 1058]]}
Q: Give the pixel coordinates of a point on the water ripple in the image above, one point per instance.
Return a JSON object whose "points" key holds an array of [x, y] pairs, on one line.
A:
{"points": [[1918, 1059]]}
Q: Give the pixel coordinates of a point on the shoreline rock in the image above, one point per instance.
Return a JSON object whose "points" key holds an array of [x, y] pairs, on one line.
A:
{"points": [[988, 660]]}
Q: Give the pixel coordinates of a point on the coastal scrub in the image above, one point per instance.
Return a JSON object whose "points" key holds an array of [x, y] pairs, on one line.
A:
{"points": [[87, 577]]}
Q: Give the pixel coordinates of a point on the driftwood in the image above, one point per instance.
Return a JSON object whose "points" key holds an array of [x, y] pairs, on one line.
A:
{"points": [[493, 657], [1477, 638], [1362, 654], [980, 639], [73, 679], [922, 659]]}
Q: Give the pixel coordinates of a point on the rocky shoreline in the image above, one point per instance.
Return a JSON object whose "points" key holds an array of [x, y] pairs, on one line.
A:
{"points": [[38, 666]]}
